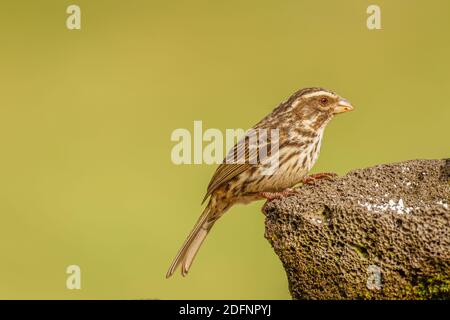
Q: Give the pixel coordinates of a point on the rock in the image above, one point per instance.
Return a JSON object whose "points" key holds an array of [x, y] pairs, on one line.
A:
{"points": [[375, 233]]}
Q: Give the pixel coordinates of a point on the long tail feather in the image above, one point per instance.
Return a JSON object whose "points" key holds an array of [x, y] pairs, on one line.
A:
{"points": [[192, 244]]}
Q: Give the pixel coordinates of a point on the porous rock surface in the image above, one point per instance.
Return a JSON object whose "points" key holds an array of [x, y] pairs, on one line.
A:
{"points": [[375, 233]]}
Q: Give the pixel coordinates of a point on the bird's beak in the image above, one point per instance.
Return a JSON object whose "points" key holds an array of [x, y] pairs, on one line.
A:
{"points": [[343, 106]]}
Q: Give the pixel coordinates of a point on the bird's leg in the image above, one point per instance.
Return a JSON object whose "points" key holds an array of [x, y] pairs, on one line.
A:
{"points": [[270, 196], [277, 195], [317, 176]]}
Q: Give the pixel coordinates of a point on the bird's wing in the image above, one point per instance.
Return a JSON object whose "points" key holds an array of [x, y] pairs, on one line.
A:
{"points": [[246, 150], [224, 173]]}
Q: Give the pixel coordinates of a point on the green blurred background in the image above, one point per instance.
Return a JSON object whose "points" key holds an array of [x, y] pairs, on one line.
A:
{"points": [[86, 117]]}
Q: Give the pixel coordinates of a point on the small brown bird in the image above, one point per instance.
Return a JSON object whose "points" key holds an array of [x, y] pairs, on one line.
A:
{"points": [[299, 123]]}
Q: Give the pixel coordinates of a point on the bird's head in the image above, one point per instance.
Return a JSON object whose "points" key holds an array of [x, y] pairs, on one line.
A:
{"points": [[322, 100], [318, 105]]}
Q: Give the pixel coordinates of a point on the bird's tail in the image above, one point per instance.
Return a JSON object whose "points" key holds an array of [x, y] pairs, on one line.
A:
{"points": [[192, 244]]}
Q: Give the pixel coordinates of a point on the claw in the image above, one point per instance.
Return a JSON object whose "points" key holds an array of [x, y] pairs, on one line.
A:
{"points": [[277, 195], [270, 196], [317, 176]]}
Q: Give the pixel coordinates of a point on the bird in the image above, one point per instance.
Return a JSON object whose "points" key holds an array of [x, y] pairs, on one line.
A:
{"points": [[299, 123]]}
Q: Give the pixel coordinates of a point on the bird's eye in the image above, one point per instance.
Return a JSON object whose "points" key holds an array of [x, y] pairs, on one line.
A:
{"points": [[323, 101]]}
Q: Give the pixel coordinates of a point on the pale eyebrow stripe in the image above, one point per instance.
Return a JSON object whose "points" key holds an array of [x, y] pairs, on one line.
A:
{"points": [[319, 93]]}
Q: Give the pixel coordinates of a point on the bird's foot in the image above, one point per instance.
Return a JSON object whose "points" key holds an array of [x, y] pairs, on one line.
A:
{"points": [[270, 196], [317, 176], [277, 195]]}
